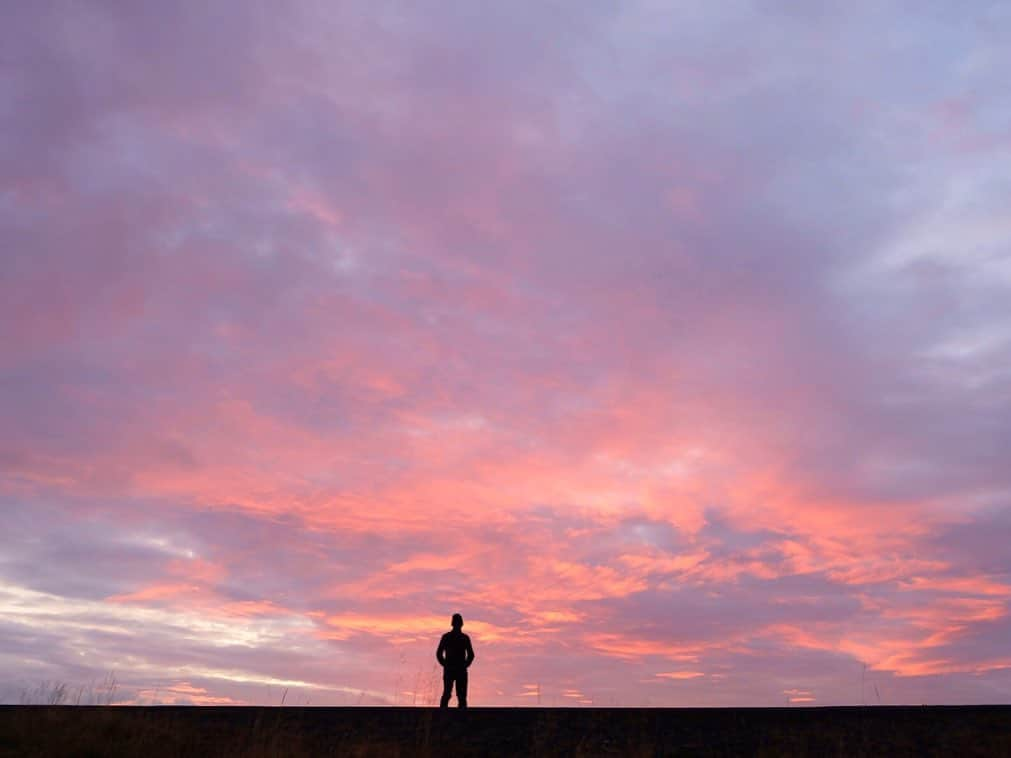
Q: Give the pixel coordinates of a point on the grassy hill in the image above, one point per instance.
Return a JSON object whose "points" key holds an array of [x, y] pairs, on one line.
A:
{"points": [[157, 731]]}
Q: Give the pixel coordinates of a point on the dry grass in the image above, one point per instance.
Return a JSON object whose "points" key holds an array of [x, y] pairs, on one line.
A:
{"points": [[61, 693], [163, 731]]}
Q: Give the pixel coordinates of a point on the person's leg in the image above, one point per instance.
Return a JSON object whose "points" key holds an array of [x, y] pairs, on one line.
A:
{"points": [[461, 688], [447, 688]]}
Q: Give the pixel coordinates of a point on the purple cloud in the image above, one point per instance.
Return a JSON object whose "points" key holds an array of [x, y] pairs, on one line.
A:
{"points": [[669, 345]]}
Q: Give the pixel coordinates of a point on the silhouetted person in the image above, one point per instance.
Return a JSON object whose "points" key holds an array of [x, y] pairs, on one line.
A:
{"points": [[455, 656]]}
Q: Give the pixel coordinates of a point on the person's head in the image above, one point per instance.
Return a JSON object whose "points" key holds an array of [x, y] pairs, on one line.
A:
{"points": [[457, 621]]}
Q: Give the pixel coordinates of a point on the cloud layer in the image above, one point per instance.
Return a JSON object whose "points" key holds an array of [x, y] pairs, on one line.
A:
{"points": [[670, 345]]}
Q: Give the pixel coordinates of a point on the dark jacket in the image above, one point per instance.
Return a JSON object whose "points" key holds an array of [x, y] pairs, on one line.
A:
{"points": [[454, 650]]}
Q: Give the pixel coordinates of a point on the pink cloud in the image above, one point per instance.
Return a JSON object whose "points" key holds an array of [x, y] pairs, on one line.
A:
{"points": [[343, 321]]}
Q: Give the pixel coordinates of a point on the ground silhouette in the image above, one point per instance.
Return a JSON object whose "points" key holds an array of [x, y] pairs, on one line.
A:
{"points": [[167, 731]]}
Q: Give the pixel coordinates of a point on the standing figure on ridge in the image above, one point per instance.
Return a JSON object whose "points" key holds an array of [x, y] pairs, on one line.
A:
{"points": [[455, 656]]}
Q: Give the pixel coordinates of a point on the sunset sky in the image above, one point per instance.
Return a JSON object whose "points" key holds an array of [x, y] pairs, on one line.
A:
{"points": [[668, 342]]}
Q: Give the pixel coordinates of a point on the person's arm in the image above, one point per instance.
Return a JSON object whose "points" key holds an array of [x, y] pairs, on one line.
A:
{"points": [[440, 653], [469, 653]]}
